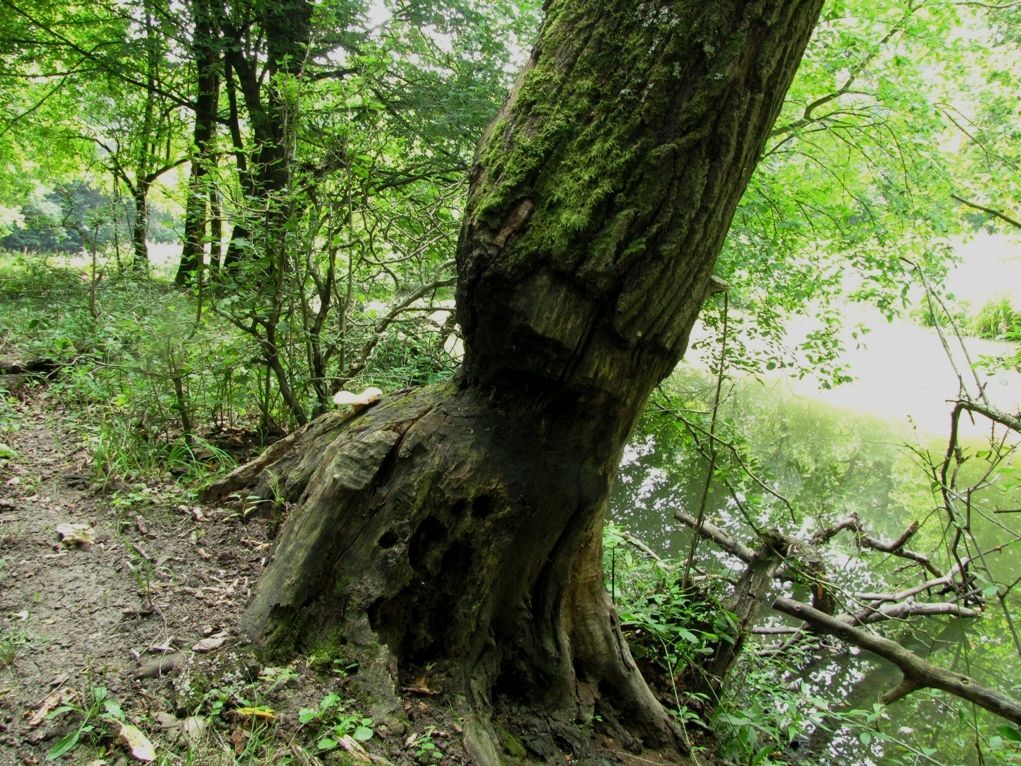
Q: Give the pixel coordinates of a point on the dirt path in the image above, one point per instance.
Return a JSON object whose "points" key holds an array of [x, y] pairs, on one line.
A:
{"points": [[161, 576]]}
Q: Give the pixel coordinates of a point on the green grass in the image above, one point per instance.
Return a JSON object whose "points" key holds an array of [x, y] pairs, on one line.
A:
{"points": [[12, 643], [123, 361]]}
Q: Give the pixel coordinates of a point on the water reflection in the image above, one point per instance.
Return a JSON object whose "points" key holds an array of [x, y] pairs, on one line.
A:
{"points": [[826, 463]]}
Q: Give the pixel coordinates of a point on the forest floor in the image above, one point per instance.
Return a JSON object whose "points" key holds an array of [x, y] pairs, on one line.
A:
{"points": [[129, 638], [139, 627]]}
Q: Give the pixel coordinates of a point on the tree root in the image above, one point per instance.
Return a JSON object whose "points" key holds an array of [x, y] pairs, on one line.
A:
{"points": [[421, 539]]}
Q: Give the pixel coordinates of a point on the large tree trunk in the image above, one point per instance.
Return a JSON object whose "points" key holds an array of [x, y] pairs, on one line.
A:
{"points": [[461, 524]]}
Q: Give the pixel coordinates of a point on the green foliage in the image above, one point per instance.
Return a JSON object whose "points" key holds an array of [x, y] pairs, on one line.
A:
{"points": [[72, 217], [666, 625], [9, 415], [123, 365], [998, 320], [427, 752], [859, 173], [762, 713], [813, 466], [671, 630], [96, 714], [332, 720]]}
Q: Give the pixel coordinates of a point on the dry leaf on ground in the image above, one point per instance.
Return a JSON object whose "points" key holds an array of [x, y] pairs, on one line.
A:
{"points": [[54, 700], [139, 745], [210, 644]]}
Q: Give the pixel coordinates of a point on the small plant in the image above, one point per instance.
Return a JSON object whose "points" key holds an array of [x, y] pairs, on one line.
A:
{"points": [[9, 416], [426, 749], [333, 721], [275, 677], [997, 320], [11, 641], [666, 624], [101, 713]]}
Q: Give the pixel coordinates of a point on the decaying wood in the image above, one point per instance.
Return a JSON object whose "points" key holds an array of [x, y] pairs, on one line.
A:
{"points": [[40, 366], [944, 581], [893, 547], [256, 478], [870, 615], [918, 673], [747, 603], [16, 375]]}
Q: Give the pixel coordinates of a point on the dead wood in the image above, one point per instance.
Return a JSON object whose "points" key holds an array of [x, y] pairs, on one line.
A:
{"points": [[38, 366], [918, 673], [865, 540]]}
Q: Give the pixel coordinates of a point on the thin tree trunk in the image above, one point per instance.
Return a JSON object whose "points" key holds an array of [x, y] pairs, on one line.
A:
{"points": [[288, 31], [215, 233], [461, 524], [148, 136], [207, 104], [139, 227]]}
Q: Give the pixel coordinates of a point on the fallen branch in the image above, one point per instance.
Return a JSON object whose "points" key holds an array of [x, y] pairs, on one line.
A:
{"points": [[718, 536], [870, 615], [937, 582], [893, 547], [41, 366], [649, 552], [918, 674], [1013, 422]]}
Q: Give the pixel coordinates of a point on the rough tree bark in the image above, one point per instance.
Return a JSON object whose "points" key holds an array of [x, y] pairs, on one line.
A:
{"points": [[461, 524]]}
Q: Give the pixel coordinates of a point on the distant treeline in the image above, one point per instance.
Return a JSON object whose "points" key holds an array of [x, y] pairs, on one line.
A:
{"points": [[76, 216]]}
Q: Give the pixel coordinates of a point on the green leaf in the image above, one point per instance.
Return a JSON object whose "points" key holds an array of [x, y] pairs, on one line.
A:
{"points": [[362, 734], [329, 701], [1013, 733], [113, 709], [326, 744], [64, 746]]}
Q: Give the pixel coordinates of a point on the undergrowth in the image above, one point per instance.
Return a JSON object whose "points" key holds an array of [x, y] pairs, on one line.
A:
{"points": [[159, 381], [770, 710], [151, 386]]}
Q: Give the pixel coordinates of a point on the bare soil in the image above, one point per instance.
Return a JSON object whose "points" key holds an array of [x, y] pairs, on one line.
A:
{"points": [[128, 612]]}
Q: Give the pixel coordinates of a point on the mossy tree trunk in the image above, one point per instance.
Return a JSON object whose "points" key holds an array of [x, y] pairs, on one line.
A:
{"points": [[461, 524]]}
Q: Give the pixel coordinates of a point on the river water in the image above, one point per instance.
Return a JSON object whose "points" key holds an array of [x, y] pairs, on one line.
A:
{"points": [[857, 448]]}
